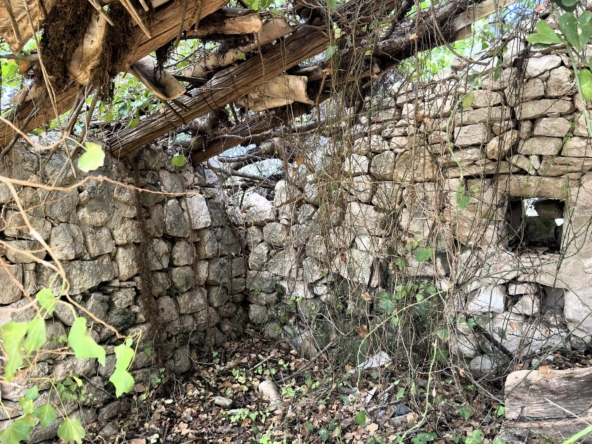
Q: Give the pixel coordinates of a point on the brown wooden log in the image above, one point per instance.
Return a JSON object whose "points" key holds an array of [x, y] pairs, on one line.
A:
{"points": [[164, 27], [229, 85], [548, 403]]}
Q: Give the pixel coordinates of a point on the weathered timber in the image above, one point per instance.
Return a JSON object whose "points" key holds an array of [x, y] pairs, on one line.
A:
{"points": [[229, 85], [225, 88], [400, 45], [548, 403], [164, 27]]}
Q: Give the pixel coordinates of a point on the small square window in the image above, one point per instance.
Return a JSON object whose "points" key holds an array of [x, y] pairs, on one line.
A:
{"points": [[535, 223]]}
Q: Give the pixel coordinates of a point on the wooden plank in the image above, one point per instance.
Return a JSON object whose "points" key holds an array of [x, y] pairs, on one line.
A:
{"points": [[228, 85], [463, 23], [164, 28], [548, 394]]}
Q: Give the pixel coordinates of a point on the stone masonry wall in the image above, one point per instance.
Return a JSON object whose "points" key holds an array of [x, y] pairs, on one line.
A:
{"points": [[497, 190], [98, 231]]}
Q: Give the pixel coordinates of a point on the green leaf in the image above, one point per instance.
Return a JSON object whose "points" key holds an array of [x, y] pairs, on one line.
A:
{"points": [[545, 35], [148, 351], [178, 160], [71, 430], [46, 414], [462, 198], [46, 300], [324, 434], [18, 431], [567, 5], [122, 380], [360, 418], [12, 337], [568, 25], [475, 80], [465, 412], [124, 355], [387, 304], [83, 344], [423, 254], [27, 405], [468, 100], [32, 393], [332, 4], [585, 79], [585, 27], [500, 411], [35, 335], [330, 51], [93, 158], [475, 438]]}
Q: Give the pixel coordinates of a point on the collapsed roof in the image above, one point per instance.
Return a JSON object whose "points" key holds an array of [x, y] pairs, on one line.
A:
{"points": [[258, 65]]}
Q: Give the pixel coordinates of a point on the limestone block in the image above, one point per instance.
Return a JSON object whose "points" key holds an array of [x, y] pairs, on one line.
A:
{"points": [[14, 249], [558, 166], [124, 230], [536, 66], [356, 165], [524, 162], [16, 226], [284, 263], [228, 241], [355, 265], [217, 296], [257, 314], [312, 194], [311, 270], [552, 127], [360, 187], [275, 234], [500, 146], [383, 166], [171, 183], [259, 256], [483, 98], [167, 309], [528, 305], [61, 205], [199, 214], [471, 135], [127, 262], [540, 108], [150, 199], [363, 219], [192, 301], [183, 253], [502, 126], [208, 245], [175, 220], [284, 193], [306, 213], [82, 275], [387, 195], [483, 365], [158, 254], [507, 77], [398, 144], [123, 298], [464, 342], [182, 278], [98, 241], [415, 166], [10, 290], [299, 234], [577, 147], [561, 83], [366, 145], [259, 210], [219, 271], [294, 289], [261, 281], [66, 241], [254, 236], [545, 146], [316, 247], [155, 221], [482, 115]]}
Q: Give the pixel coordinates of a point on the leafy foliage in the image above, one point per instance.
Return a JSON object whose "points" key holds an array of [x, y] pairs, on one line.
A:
{"points": [[83, 344], [93, 158], [71, 430]]}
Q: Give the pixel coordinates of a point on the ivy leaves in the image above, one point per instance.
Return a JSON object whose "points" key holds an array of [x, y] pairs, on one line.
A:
{"points": [[545, 35], [121, 378], [93, 158], [83, 344]]}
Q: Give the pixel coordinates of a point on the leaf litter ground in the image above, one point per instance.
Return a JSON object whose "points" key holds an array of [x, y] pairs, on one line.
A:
{"points": [[322, 401]]}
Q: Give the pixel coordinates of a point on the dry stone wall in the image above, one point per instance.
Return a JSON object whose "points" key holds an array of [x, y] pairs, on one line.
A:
{"points": [[495, 189], [166, 262]]}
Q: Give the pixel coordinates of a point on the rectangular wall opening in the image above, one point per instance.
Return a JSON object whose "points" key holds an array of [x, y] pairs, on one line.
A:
{"points": [[535, 224]]}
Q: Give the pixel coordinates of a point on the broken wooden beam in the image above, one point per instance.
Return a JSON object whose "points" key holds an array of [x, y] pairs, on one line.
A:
{"points": [[229, 21], [230, 84], [164, 27]]}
